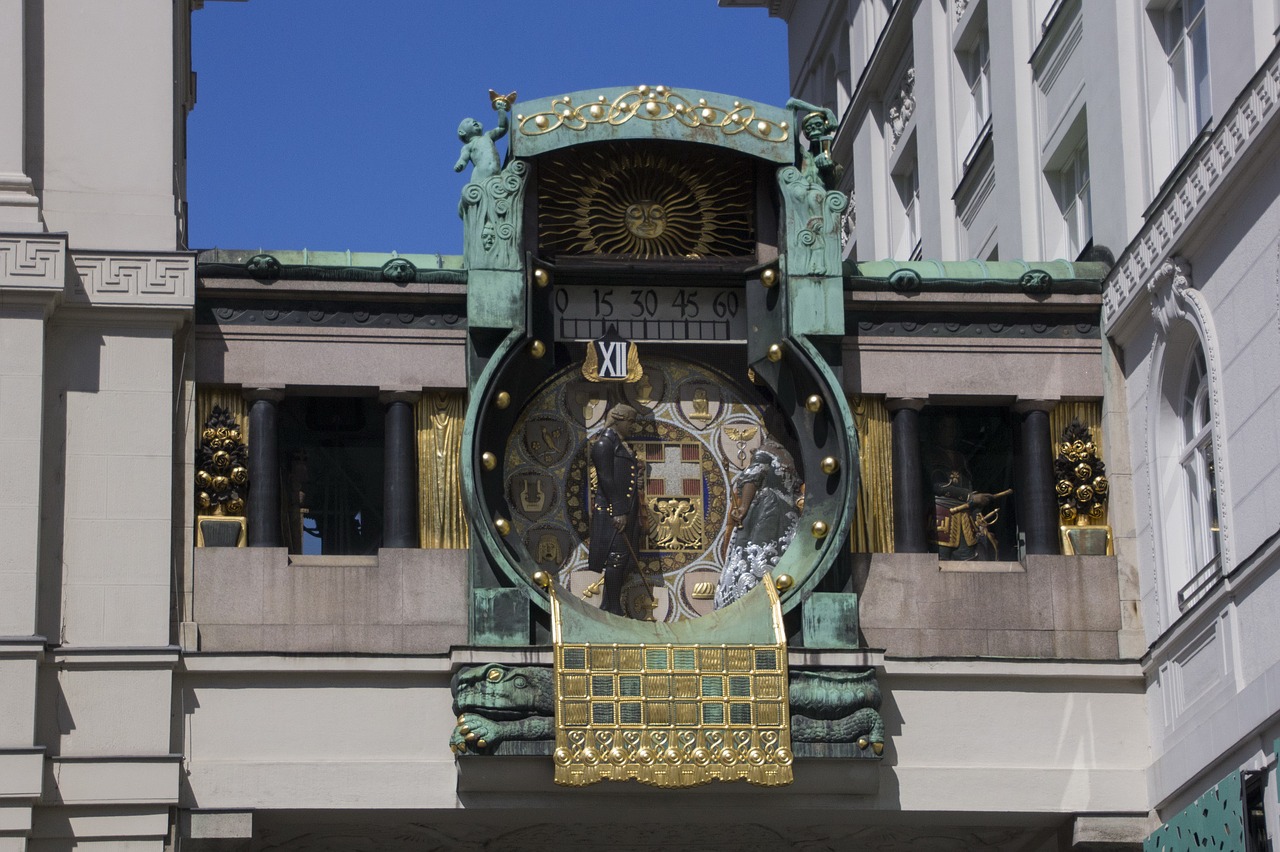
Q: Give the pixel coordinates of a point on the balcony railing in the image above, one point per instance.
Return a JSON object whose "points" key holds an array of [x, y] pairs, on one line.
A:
{"points": [[1201, 584]]}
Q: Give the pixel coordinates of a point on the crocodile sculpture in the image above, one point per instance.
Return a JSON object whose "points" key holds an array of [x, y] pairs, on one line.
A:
{"points": [[497, 703], [829, 706]]}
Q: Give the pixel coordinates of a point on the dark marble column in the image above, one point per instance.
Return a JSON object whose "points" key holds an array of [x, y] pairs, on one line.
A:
{"points": [[908, 491], [1039, 517], [399, 472], [264, 469]]}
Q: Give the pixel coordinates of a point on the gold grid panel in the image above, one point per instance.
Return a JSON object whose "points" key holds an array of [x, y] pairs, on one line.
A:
{"points": [[645, 685], [672, 715]]}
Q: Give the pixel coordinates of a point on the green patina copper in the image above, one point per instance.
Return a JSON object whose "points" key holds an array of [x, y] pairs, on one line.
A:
{"points": [[976, 276], [490, 603], [1213, 821], [355, 267], [495, 299], [500, 616], [653, 112], [749, 620], [830, 620], [497, 706], [829, 432], [833, 706], [492, 212], [812, 212], [819, 126], [354, 259]]}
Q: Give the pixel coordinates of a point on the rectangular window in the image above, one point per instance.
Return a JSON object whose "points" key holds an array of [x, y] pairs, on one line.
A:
{"points": [[331, 460], [967, 456], [1188, 47], [1256, 836], [908, 186], [1073, 196], [977, 74]]}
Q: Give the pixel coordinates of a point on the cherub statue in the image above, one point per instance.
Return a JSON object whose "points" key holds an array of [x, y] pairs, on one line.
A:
{"points": [[908, 95], [896, 124], [480, 148]]}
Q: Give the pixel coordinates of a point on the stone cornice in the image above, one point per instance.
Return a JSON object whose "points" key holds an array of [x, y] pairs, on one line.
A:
{"points": [[33, 263], [40, 265], [1193, 190]]}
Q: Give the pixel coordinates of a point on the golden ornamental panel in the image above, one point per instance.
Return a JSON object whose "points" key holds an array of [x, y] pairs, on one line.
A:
{"points": [[653, 103], [650, 200], [672, 715]]}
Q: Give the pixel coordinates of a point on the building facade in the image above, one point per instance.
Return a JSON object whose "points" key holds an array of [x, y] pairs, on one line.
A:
{"points": [[299, 545], [1059, 129], [96, 291]]}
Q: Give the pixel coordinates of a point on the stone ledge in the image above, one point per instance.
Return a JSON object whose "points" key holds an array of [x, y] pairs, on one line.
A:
{"points": [[21, 770], [1058, 607], [483, 776], [262, 600], [982, 567], [113, 779]]}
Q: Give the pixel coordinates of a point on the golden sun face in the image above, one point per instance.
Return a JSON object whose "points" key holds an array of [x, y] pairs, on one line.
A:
{"points": [[651, 200], [646, 219]]}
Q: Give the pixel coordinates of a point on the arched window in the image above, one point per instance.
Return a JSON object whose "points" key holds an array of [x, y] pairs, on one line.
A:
{"points": [[1187, 466]]}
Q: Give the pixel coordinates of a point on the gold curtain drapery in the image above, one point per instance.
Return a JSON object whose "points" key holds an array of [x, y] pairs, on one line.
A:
{"points": [[872, 530], [442, 522], [1088, 412], [229, 397]]}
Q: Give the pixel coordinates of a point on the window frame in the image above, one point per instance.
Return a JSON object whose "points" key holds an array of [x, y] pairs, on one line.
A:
{"points": [[906, 184], [1186, 44], [976, 66], [1187, 471], [1195, 458], [1076, 201]]}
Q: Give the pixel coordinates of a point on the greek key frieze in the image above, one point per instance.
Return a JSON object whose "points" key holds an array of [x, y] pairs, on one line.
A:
{"points": [[166, 280], [32, 262]]}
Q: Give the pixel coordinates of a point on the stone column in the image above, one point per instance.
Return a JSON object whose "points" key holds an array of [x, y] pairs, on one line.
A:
{"points": [[908, 495], [399, 472], [1039, 507], [263, 508], [19, 206]]}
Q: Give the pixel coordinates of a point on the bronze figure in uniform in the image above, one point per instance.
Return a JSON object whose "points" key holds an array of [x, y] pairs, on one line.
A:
{"points": [[615, 505]]}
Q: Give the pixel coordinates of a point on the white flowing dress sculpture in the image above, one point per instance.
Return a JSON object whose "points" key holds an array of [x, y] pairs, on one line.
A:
{"points": [[765, 511]]}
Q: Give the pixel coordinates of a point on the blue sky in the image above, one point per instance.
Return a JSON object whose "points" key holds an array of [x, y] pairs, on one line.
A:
{"points": [[332, 124]]}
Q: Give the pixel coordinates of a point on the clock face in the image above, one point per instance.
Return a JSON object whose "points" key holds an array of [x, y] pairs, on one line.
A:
{"points": [[698, 434]]}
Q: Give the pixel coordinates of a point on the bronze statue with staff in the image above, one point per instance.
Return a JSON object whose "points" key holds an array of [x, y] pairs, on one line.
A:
{"points": [[616, 499]]}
